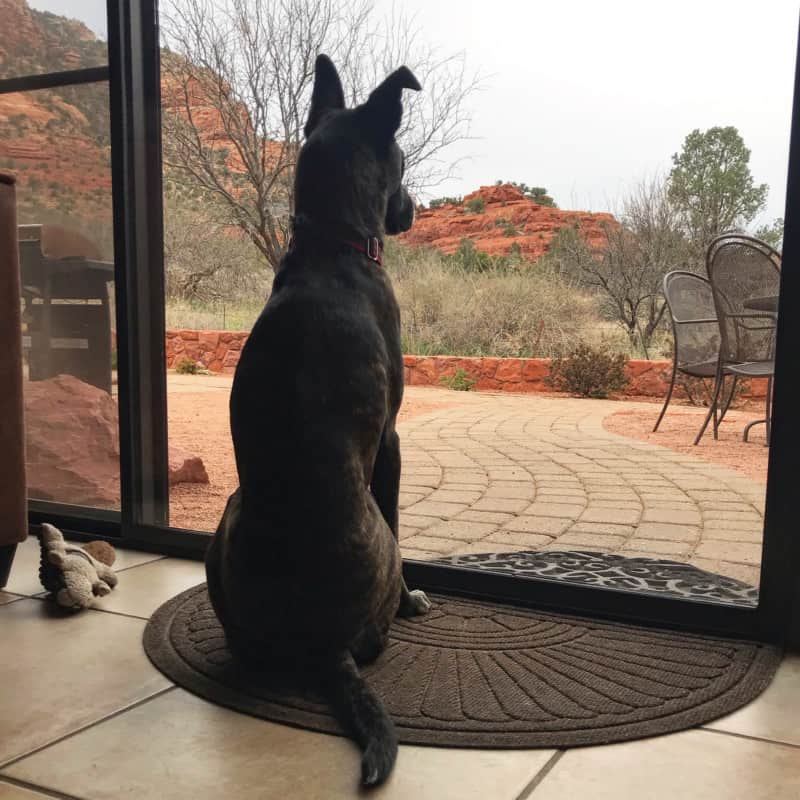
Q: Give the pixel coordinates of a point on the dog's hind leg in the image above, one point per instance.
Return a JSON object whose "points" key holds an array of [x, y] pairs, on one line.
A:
{"points": [[385, 483], [385, 487], [370, 643]]}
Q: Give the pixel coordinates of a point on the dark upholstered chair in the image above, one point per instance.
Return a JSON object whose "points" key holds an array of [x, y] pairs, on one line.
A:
{"points": [[13, 500]]}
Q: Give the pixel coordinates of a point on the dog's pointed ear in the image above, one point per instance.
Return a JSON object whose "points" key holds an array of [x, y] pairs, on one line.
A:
{"points": [[327, 94], [384, 107]]}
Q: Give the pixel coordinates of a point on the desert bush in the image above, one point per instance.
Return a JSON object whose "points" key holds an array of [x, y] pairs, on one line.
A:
{"points": [[459, 381], [445, 201], [475, 206], [447, 308], [589, 372], [186, 366]]}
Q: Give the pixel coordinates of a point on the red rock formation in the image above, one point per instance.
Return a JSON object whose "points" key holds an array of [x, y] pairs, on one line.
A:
{"points": [[21, 34], [508, 218], [72, 439], [185, 468], [182, 96]]}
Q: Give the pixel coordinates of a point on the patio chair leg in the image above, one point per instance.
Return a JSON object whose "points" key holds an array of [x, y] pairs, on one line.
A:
{"points": [[768, 415], [718, 419], [668, 397], [712, 410], [767, 421], [729, 399]]}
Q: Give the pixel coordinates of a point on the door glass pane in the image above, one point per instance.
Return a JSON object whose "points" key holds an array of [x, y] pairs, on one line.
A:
{"points": [[60, 153], [40, 36]]}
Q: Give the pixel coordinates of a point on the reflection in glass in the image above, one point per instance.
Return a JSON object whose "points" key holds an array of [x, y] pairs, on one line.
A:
{"points": [[43, 36], [58, 148]]}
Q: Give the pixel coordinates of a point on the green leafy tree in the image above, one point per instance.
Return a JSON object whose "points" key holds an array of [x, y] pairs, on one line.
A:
{"points": [[711, 184], [772, 234]]}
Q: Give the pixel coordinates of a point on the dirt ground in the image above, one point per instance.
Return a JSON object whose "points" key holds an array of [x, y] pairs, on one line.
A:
{"points": [[198, 423], [679, 428]]}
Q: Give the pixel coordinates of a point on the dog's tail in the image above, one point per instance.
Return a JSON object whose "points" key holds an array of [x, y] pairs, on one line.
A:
{"points": [[363, 716]]}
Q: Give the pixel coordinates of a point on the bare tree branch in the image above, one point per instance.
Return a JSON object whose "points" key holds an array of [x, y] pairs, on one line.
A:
{"points": [[237, 79]]}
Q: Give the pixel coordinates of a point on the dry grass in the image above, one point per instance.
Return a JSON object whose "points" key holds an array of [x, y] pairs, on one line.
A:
{"points": [[510, 308], [507, 310]]}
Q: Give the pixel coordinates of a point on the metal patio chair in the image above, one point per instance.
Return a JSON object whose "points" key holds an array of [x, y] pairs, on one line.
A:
{"points": [[695, 330], [745, 279]]}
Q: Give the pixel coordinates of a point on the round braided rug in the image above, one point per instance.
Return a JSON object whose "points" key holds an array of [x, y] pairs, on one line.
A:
{"points": [[477, 674]]}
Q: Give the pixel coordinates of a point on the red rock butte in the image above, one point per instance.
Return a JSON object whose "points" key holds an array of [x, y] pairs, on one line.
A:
{"points": [[508, 218]]}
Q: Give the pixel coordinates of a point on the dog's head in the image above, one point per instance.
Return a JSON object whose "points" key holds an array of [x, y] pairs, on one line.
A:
{"points": [[350, 170]]}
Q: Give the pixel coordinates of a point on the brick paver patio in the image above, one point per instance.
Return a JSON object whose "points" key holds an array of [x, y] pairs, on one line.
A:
{"points": [[496, 473]]}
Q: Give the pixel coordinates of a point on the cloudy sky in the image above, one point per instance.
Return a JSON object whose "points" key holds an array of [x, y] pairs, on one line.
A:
{"points": [[587, 98]]}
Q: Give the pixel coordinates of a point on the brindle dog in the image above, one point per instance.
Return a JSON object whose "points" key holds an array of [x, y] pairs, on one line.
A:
{"points": [[305, 569]]}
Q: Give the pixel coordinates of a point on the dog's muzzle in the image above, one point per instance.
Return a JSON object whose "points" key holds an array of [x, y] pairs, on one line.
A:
{"points": [[400, 212]]}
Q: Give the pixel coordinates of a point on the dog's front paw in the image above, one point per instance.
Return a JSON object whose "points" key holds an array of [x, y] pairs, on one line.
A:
{"points": [[414, 603]]}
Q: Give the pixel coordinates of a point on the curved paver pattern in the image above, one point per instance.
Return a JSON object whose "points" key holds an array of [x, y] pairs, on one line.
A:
{"points": [[496, 473]]}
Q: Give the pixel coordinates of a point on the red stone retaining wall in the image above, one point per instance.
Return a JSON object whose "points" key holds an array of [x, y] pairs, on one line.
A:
{"points": [[219, 351]]}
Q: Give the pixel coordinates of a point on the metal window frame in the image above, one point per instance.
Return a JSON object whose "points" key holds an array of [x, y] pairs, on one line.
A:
{"points": [[133, 75]]}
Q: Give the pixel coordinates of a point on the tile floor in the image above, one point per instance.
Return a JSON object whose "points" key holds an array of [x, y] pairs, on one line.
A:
{"points": [[83, 714]]}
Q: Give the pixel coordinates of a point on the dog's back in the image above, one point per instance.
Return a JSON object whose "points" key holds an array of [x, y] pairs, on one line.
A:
{"points": [[305, 568]]}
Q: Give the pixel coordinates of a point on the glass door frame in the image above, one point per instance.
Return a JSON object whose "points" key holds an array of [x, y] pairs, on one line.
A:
{"points": [[133, 73]]}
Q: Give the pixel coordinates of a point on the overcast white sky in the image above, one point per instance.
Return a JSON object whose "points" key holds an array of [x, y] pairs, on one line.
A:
{"points": [[586, 98]]}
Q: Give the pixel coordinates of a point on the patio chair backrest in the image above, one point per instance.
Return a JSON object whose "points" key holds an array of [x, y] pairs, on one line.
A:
{"points": [[694, 320], [742, 269]]}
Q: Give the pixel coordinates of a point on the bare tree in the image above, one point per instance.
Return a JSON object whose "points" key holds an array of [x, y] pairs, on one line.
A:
{"points": [[628, 269], [237, 78], [206, 260]]}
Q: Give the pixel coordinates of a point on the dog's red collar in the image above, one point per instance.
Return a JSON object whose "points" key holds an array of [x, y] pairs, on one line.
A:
{"points": [[372, 248]]}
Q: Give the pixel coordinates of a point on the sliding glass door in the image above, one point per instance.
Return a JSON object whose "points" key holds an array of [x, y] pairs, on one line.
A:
{"points": [[139, 291]]}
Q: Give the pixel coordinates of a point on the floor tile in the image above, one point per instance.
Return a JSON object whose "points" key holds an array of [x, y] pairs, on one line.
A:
{"points": [[61, 671], [24, 577], [773, 715], [142, 590], [695, 765], [176, 746], [6, 597], [10, 792]]}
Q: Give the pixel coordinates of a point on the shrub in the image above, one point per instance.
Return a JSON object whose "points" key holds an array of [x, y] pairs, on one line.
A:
{"points": [[445, 201], [588, 372], [460, 381], [475, 206], [186, 366], [470, 259]]}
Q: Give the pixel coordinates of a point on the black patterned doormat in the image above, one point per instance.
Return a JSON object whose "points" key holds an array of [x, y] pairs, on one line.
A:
{"points": [[476, 674], [608, 571]]}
